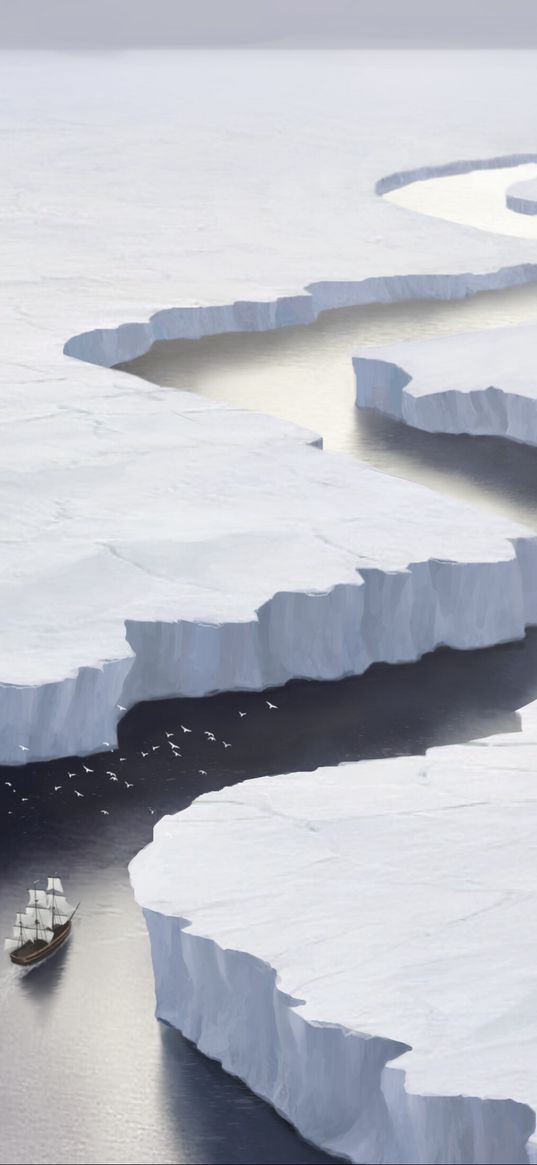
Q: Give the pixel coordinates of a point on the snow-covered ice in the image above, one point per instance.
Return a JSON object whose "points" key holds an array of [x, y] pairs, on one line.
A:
{"points": [[484, 383], [188, 547], [522, 197], [357, 944], [153, 544]]}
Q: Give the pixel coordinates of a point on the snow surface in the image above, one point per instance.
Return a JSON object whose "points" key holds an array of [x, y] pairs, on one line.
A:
{"points": [[357, 944], [484, 383], [522, 197], [153, 544]]}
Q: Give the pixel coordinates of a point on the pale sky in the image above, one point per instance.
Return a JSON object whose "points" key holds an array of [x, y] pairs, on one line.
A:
{"points": [[285, 23]]}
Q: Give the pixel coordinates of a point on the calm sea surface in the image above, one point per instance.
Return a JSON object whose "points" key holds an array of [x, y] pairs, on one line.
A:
{"points": [[86, 1073]]}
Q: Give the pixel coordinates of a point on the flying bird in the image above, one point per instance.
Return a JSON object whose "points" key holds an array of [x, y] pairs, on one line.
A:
{"points": [[269, 705], [210, 736], [110, 773], [8, 783], [185, 729], [202, 772], [155, 746], [24, 798], [107, 744], [23, 747], [113, 777], [78, 794], [168, 734], [123, 758], [71, 774], [86, 770], [121, 708], [225, 743], [150, 810], [144, 754], [106, 812], [128, 784], [57, 788], [243, 713]]}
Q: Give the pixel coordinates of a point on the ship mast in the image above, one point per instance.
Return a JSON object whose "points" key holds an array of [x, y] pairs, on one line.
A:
{"points": [[35, 909]]}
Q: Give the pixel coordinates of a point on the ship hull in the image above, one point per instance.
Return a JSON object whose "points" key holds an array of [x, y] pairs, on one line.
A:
{"points": [[32, 953]]}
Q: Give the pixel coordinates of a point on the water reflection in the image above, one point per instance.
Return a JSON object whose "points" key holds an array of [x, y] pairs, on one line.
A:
{"points": [[490, 472], [184, 1076], [83, 1022], [41, 983], [304, 374], [476, 199]]}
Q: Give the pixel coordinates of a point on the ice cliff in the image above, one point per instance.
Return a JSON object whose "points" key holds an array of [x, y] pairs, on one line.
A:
{"points": [[482, 383], [153, 544], [169, 545], [356, 944], [522, 197]]}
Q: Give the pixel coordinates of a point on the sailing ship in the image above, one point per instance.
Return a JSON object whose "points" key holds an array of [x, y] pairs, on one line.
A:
{"points": [[43, 927]]}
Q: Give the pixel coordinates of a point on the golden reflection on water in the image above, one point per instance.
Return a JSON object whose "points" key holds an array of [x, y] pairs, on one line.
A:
{"points": [[304, 374], [476, 199]]}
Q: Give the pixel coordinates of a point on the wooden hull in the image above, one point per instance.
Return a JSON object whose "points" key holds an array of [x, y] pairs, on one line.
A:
{"points": [[32, 953]]}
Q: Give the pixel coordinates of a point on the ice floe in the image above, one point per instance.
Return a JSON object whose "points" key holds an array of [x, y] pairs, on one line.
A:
{"points": [[484, 383], [155, 545], [522, 197], [356, 944]]}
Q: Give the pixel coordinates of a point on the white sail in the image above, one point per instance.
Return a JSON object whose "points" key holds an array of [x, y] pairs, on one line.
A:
{"points": [[46, 909], [37, 897], [34, 934], [36, 921], [29, 934], [43, 914], [62, 909]]}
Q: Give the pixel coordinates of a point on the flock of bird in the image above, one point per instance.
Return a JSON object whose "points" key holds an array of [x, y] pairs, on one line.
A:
{"points": [[114, 776]]}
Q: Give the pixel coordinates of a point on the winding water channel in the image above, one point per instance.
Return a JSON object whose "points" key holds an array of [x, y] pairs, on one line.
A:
{"points": [[80, 1029]]}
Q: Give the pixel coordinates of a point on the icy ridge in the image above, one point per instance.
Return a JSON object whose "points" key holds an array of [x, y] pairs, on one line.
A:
{"points": [[522, 197], [481, 383], [445, 169], [370, 976], [109, 346]]}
